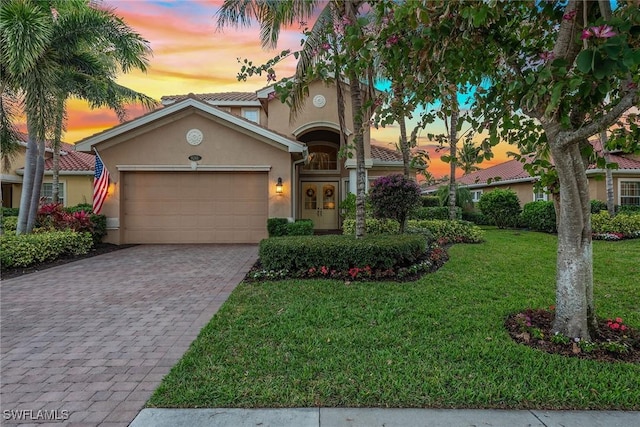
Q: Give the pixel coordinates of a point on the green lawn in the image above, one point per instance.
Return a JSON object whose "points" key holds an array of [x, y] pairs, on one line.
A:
{"points": [[437, 342]]}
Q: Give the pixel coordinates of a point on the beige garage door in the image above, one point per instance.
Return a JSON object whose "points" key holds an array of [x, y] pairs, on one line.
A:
{"points": [[194, 207]]}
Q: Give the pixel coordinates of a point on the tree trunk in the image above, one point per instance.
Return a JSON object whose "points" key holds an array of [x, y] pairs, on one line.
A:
{"points": [[404, 143], [611, 206], [358, 128], [27, 179], [575, 313], [57, 139], [453, 154], [358, 142], [37, 186]]}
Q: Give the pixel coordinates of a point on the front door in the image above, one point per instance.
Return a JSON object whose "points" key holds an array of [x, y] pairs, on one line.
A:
{"points": [[320, 204]]}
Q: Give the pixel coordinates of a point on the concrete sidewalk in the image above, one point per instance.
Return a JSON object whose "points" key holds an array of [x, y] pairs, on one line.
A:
{"points": [[373, 417]]}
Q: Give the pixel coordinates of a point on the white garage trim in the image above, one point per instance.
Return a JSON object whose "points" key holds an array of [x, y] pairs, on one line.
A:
{"points": [[188, 168]]}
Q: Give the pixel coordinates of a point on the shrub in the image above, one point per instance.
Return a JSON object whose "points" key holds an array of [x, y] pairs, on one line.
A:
{"points": [[540, 216], [477, 218], [372, 226], [447, 231], [464, 198], [28, 249], [628, 209], [9, 212], [302, 227], [597, 206], [440, 212], [277, 227], [9, 223], [99, 225], [394, 196], [430, 201], [501, 206], [348, 207], [624, 225], [335, 252], [86, 207]]}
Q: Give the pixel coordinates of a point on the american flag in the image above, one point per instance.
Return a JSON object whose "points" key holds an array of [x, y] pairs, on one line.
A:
{"points": [[100, 185]]}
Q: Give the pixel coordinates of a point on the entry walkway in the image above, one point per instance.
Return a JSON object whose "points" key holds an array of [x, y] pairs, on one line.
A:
{"points": [[87, 342]]}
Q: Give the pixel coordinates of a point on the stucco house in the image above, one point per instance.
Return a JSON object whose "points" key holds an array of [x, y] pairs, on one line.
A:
{"points": [[75, 176], [511, 175], [212, 168]]}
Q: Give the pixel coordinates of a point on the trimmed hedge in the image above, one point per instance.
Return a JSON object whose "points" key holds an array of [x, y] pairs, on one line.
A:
{"points": [[9, 223], [9, 212], [477, 218], [629, 209], [302, 227], [627, 225], [27, 249], [597, 206], [340, 252], [539, 216], [502, 206], [430, 201], [447, 231], [278, 227], [440, 212], [372, 226]]}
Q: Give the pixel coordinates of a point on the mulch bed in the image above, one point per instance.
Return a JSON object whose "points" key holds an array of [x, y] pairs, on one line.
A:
{"points": [[542, 320], [99, 249]]}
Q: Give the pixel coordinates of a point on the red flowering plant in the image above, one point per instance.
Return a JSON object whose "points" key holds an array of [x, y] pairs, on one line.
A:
{"points": [[53, 216], [616, 324]]}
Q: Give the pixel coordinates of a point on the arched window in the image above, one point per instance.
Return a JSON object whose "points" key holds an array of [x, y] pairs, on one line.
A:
{"points": [[322, 157]]}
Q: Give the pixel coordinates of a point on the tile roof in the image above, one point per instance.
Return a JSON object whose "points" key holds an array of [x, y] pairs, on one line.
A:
{"points": [[70, 160], [385, 154], [513, 170], [507, 171], [219, 96]]}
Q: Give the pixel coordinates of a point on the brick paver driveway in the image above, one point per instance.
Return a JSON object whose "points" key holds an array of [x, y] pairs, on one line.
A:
{"points": [[90, 341]]}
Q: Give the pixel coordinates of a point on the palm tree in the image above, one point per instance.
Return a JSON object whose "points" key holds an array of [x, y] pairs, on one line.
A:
{"points": [[271, 16], [41, 42], [468, 157], [94, 83]]}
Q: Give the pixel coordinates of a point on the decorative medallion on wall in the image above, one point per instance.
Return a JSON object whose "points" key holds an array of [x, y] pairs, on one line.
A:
{"points": [[194, 136], [319, 101]]}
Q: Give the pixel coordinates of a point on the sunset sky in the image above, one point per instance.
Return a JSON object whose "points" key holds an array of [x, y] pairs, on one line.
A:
{"points": [[191, 55]]}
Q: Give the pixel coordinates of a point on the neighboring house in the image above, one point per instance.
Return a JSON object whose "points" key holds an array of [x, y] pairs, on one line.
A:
{"points": [[511, 175], [75, 177], [212, 168]]}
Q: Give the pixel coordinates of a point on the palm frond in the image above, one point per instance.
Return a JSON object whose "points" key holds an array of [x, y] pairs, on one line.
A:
{"points": [[25, 33], [307, 59]]}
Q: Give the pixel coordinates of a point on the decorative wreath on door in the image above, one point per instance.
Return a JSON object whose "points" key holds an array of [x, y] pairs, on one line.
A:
{"points": [[328, 192], [311, 192]]}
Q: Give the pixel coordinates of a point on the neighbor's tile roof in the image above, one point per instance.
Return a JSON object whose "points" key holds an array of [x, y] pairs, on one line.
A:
{"points": [[70, 160], [385, 154], [220, 96], [507, 171], [514, 170]]}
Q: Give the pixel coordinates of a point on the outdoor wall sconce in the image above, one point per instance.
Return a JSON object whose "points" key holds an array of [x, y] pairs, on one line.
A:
{"points": [[279, 186]]}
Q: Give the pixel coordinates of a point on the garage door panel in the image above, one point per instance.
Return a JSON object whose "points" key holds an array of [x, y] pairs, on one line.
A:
{"points": [[188, 207]]}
